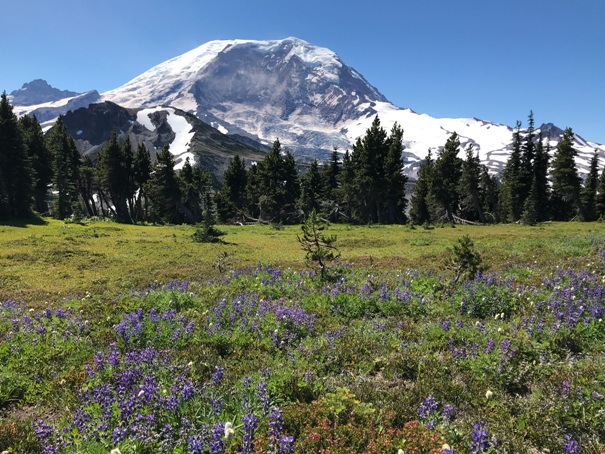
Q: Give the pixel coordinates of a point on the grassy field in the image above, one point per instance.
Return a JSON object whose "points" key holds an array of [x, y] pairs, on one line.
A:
{"points": [[55, 260], [140, 339]]}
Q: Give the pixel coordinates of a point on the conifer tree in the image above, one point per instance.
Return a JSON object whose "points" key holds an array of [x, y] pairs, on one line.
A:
{"points": [[395, 202], [141, 171], [345, 194], [230, 200], [469, 187], [541, 162], [88, 185], [330, 175], [66, 166], [164, 191], [193, 189], [115, 176], [526, 170], [419, 210], [311, 187], [39, 158], [368, 159], [488, 192], [443, 192], [565, 199], [511, 187], [600, 198], [16, 185], [589, 191]]}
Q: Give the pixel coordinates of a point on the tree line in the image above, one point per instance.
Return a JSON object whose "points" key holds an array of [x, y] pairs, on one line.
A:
{"points": [[46, 174]]}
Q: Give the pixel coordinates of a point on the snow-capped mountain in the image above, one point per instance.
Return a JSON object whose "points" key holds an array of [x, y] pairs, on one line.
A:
{"points": [[305, 96], [47, 103]]}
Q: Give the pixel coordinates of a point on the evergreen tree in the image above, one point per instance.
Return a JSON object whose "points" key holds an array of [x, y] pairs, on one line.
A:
{"points": [[600, 198], [443, 192], [531, 209], [164, 191], [511, 187], [469, 187], [141, 172], [368, 159], [345, 194], [393, 211], [488, 193], [194, 187], [66, 166], [277, 184], [565, 199], [88, 185], [526, 170], [311, 187], [330, 175], [16, 185], [589, 191], [320, 249], [419, 211], [115, 176], [253, 192], [39, 158], [230, 200], [330, 178], [541, 162]]}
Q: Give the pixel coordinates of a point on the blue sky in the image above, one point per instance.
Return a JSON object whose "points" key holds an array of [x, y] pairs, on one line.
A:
{"points": [[491, 59]]}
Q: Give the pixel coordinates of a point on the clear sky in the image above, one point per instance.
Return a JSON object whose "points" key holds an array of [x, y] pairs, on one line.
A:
{"points": [[491, 59]]}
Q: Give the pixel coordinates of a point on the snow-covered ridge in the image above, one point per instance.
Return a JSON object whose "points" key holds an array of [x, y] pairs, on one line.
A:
{"points": [[181, 128]]}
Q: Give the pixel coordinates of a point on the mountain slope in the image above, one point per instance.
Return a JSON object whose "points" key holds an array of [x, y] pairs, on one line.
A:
{"points": [[308, 98], [187, 136]]}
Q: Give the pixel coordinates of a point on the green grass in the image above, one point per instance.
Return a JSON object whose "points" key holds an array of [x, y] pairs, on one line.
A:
{"points": [[56, 260], [386, 332]]}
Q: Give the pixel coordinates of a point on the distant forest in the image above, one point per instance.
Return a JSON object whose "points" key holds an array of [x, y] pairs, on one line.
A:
{"points": [[46, 175]]}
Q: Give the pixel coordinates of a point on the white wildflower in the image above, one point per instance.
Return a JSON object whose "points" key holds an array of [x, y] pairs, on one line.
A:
{"points": [[488, 394], [229, 430]]}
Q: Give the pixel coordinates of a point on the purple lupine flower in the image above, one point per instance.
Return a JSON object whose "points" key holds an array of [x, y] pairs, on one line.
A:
{"points": [[571, 446], [449, 413], [480, 438], [428, 407], [250, 424], [217, 377], [217, 443]]}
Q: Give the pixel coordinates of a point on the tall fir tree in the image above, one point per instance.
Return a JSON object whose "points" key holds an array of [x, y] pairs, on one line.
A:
{"points": [[419, 210], [39, 158], [394, 206], [311, 189], [589, 191], [66, 167], [469, 188], [443, 192], [345, 194], [16, 184], [541, 164], [526, 170], [88, 185], [141, 171], [368, 159], [231, 198], [164, 191], [600, 198], [565, 198], [115, 175], [512, 185], [488, 191]]}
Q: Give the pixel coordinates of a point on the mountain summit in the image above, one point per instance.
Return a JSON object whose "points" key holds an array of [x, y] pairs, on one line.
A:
{"points": [[307, 97]]}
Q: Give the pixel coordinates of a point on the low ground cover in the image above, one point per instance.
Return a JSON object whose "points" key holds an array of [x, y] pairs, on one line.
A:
{"points": [[174, 352]]}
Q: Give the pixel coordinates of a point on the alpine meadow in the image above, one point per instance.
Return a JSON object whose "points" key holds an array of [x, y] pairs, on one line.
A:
{"points": [[248, 249]]}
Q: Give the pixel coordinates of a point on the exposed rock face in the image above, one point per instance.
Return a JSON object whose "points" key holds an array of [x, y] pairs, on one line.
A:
{"points": [[91, 127]]}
